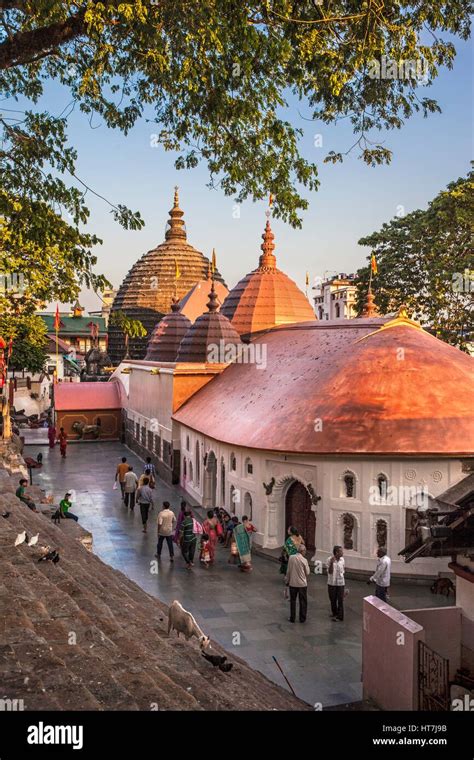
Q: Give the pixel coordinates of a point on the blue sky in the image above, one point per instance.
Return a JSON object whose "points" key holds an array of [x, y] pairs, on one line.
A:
{"points": [[352, 201]]}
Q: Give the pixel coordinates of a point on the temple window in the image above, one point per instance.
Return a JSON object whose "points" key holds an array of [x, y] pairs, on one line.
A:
{"points": [[198, 463], [382, 485], [248, 466], [349, 532], [248, 505], [381, 533], [233, 462], [349, 482]]}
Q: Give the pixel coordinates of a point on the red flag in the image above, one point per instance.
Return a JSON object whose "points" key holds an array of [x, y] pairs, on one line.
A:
{"points": [[57, 319]]}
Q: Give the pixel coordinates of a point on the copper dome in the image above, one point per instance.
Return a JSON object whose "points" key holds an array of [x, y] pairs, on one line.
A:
{"points": [[210, 329], [266, 297], [151, 283], [344, 387], [195, 301], [165, 339]]}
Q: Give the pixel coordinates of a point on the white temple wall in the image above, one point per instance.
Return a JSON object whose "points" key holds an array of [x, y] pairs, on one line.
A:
{"points": [[323, 476]]}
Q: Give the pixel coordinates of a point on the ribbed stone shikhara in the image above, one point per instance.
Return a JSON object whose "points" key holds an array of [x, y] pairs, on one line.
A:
{"points": [[166, 337], [266, 297], [210, 331], [150, 285]]}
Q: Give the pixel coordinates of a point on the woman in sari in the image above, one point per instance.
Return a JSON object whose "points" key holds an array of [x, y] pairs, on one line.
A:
{"points": [[51, 435], [242, 539], [209, 526], [290, 547], [181, 516]]}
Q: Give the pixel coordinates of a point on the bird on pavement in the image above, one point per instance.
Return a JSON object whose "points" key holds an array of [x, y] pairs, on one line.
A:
{"points": [[226, 667]]}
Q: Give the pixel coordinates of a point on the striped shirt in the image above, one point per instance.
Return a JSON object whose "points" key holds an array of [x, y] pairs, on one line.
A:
{"points": [[187, 530]]}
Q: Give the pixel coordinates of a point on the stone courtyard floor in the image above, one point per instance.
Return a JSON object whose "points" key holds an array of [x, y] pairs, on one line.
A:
{"points": [[246, 613]]}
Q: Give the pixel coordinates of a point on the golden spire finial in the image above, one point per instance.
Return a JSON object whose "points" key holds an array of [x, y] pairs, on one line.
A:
{"points": [[267, 259], [176, 227]]}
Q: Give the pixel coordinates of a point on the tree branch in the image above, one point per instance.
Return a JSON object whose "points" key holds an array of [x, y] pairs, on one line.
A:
{"points": [[26, 47]]}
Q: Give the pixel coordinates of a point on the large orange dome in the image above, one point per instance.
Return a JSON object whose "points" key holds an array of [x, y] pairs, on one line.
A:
{"points": [[266, 297], [355, 386], [152, 282]]}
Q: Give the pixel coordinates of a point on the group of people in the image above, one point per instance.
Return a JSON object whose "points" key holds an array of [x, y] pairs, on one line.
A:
{"points": [[185, 531], [55, 437], [295, 567], [64, 505]]}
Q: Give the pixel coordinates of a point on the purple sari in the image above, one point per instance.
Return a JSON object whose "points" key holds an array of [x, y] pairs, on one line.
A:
{"points": [[178, 526]]}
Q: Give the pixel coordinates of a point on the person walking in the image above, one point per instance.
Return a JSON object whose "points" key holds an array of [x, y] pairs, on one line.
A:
{"points": [[51, 434], [188, 539], [120, 473], [297, 581], [62, 438], [336, 584], [181, 516], [381, 577], [166, 523], [149, 472], [130, 488], [64, 507], [145, 500], [209, 526]]}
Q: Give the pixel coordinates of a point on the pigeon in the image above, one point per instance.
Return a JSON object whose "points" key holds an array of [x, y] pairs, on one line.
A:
{"points": [[5, 514], [226, 667], [214, 659], [21, 538], [34, 540]]}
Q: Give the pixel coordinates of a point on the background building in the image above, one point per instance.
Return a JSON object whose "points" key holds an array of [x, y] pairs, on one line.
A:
{"points": [[334, 297]]}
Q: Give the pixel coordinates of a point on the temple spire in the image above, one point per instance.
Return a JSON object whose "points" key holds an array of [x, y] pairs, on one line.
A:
{"points": [[267, 260], [176, 229], [370, 309], [212, 304]]}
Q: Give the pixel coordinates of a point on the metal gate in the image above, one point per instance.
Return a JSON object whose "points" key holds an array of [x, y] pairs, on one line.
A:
{"points": [[433, 680]]}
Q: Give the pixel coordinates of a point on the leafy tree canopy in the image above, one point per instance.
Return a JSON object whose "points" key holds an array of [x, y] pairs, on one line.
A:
{"points": [[425, 260], [215, 76]]}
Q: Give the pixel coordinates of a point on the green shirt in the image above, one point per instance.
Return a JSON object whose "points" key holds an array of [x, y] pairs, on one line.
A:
{"points": [[187, 530], [20, 491], [64, 505]]}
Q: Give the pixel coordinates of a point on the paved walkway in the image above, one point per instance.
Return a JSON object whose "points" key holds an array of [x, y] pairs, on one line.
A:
{"points": [[246, 613]]}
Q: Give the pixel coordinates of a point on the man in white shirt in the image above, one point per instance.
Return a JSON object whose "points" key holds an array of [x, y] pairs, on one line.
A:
{"points": [[297, 580], [130, 488], [336, 584], [381, 577], [166, 524]]}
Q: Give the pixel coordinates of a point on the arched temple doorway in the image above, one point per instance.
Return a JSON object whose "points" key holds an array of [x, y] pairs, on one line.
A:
{"points": [[210, 481], [298, 513]]}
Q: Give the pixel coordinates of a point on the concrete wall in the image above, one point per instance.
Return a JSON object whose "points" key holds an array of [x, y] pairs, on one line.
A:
{"points": [[389, 656], [442, 628]]}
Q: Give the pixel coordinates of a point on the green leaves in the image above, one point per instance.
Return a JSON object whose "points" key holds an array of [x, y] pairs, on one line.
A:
{"points": [[132, 328], [425, 261], [215, 76]]}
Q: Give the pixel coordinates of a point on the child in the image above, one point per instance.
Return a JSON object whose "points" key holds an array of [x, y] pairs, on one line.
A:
{"points": [[249, 527], [205, 553], [229, 527], [234, 552]]}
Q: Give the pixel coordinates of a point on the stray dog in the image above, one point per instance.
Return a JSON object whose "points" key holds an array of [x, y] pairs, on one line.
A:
{"points": [[56, 516], [442, 586]]}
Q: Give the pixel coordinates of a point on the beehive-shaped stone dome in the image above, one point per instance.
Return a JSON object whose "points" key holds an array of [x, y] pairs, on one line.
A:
{"points": [[211, 332], [266, 297], [169, 270], [166, 337]]}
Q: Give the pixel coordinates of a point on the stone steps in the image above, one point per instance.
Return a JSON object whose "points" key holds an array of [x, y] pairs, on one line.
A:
{"points": [[80, 635]]}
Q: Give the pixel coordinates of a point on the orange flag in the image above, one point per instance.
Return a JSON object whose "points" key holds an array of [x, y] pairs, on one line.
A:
{"points": [[373, 264]]}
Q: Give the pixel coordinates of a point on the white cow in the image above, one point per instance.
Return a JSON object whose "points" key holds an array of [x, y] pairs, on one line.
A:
{"points": [[183, 622]]}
